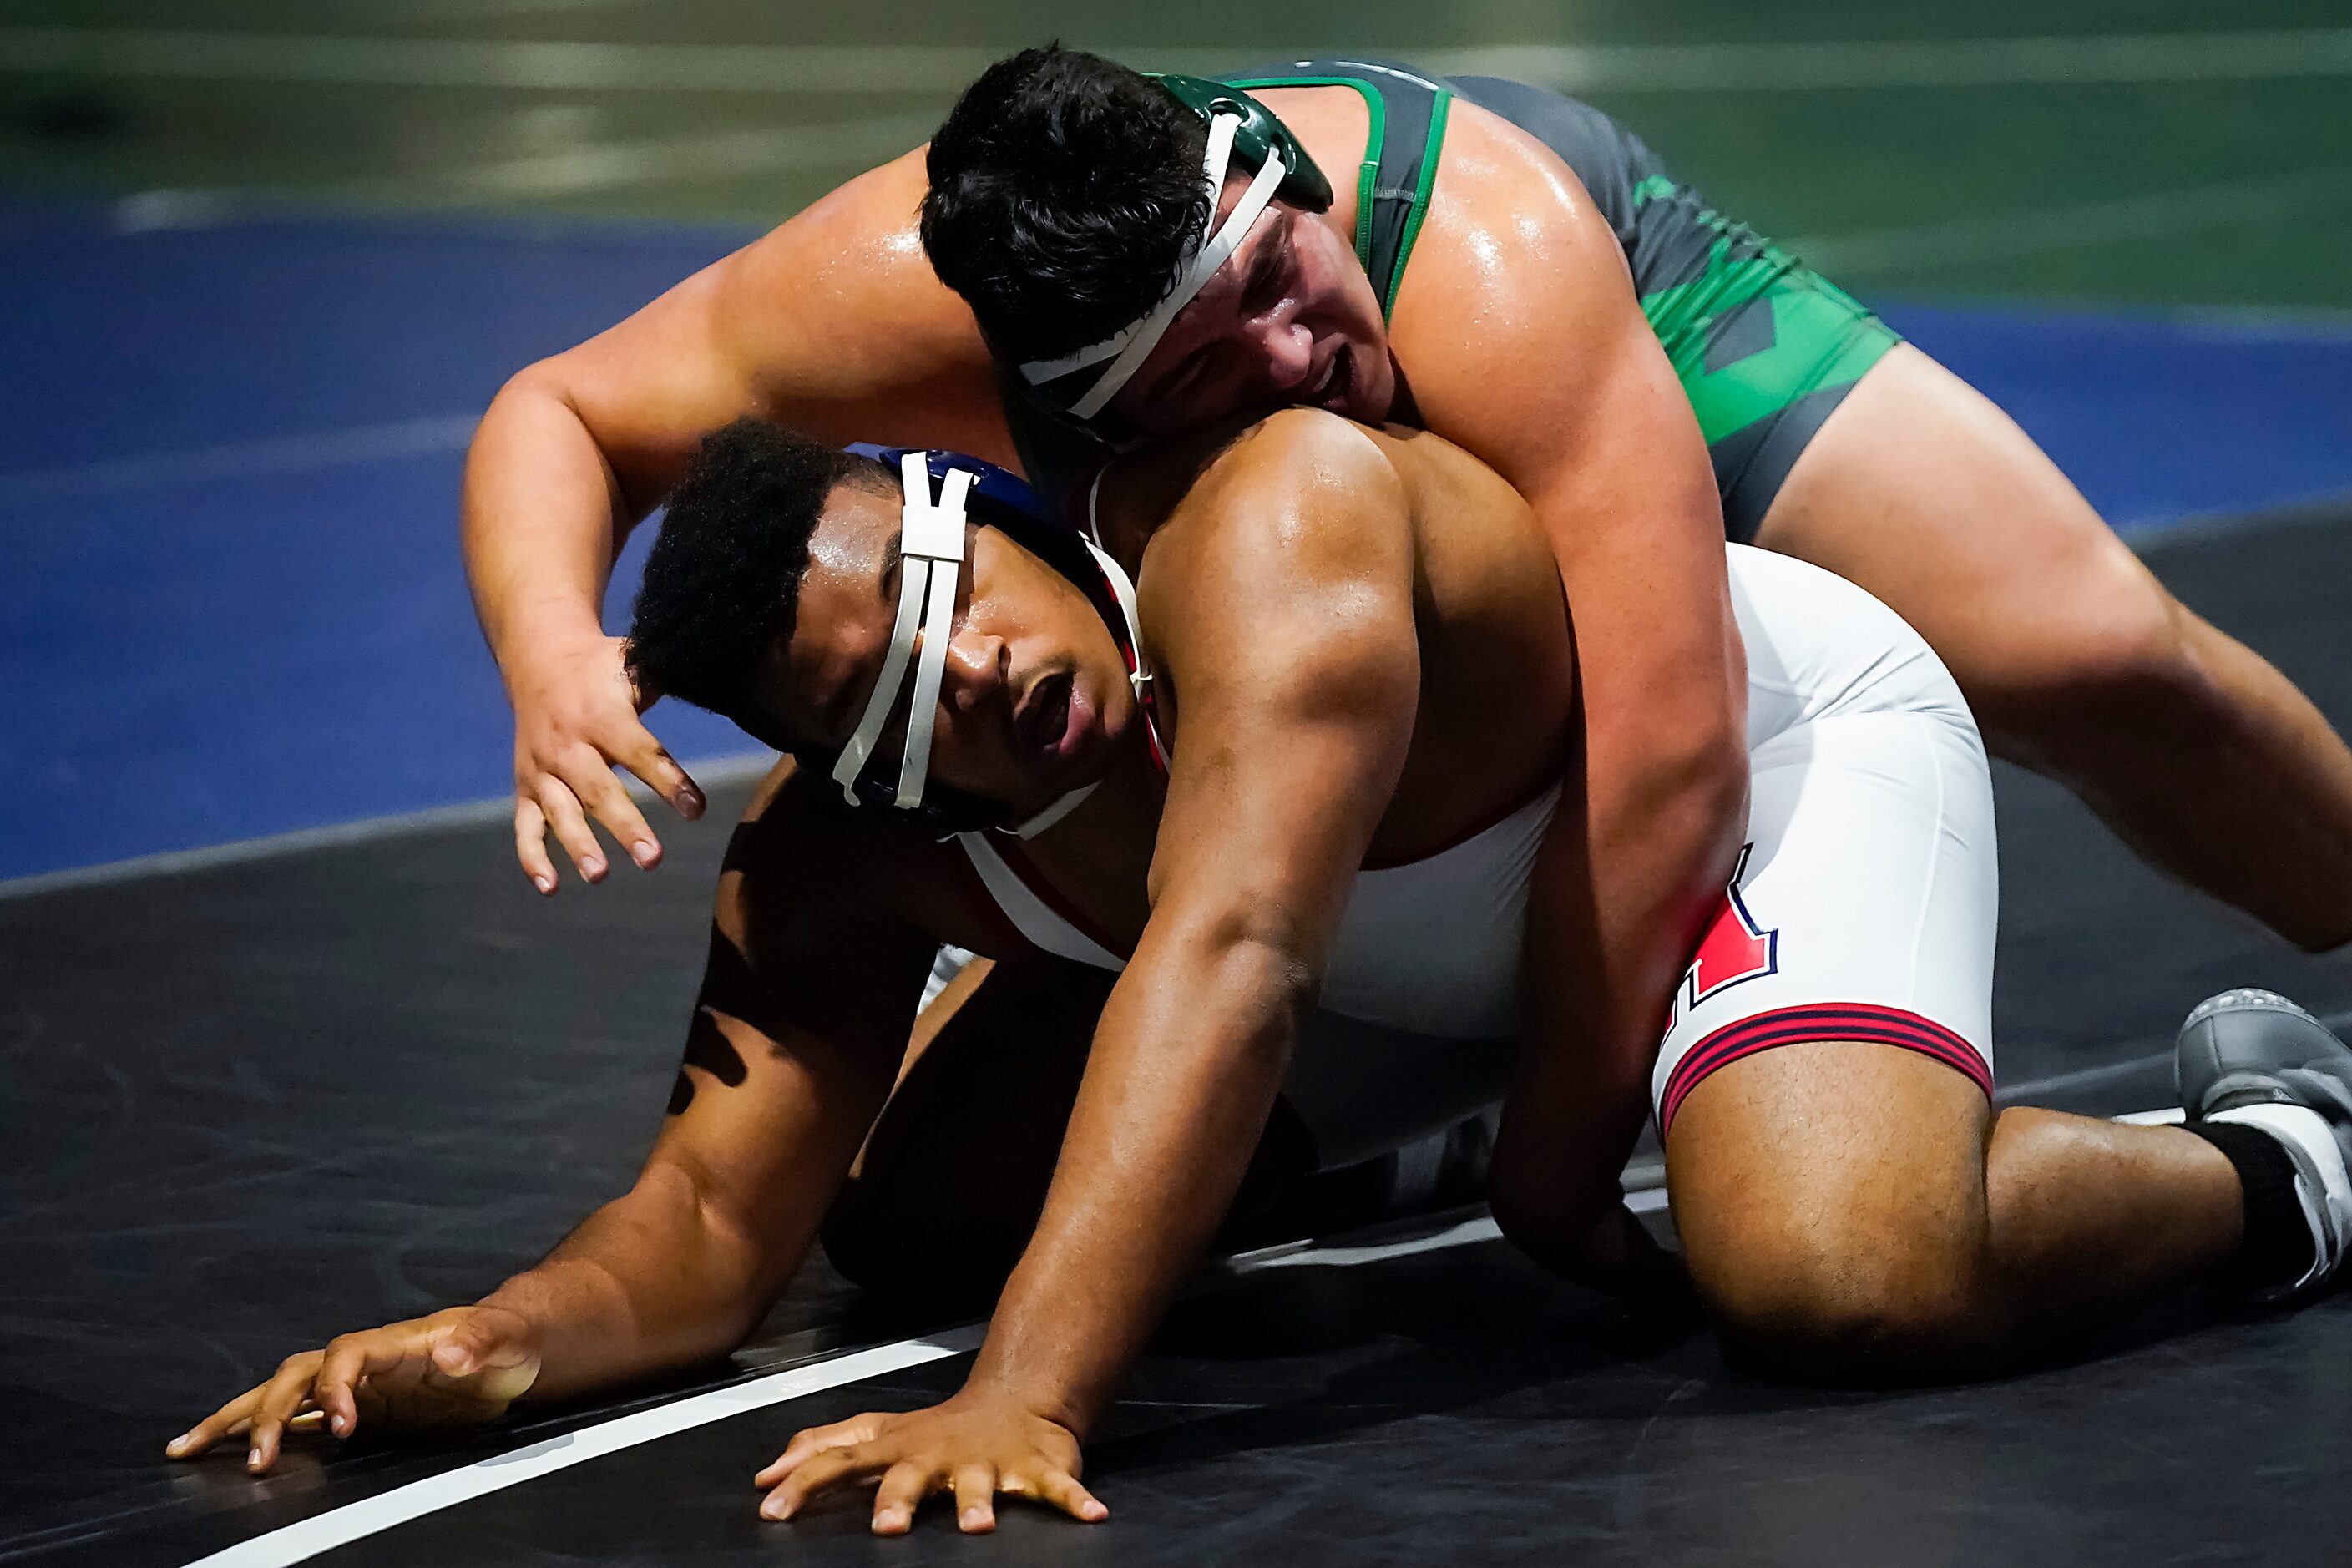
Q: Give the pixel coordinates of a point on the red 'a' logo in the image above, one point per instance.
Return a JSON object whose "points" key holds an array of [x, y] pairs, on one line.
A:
{"points": [[1733, 949]]}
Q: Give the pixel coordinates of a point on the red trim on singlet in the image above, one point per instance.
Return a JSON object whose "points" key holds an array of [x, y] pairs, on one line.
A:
{"points": [[975, 893], [1021, 865], [1148, 705], [1144, 698], [1798, 1026]]}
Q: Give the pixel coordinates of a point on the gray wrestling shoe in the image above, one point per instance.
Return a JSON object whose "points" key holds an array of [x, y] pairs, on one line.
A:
{"points": [[2255, 1058]]}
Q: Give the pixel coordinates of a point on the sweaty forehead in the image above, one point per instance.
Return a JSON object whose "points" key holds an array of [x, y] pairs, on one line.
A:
{"points": [[843, 623]]}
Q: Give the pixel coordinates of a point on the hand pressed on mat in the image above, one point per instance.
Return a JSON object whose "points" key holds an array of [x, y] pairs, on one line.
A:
{"points": [[975, 1445], [455, 1369]]}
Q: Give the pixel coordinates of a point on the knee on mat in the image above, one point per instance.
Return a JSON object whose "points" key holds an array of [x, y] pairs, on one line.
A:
{"points": [[1815, 1310]]}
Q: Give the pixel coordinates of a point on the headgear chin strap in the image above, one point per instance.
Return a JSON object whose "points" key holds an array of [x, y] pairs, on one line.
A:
{"points": [[1128, 348]]}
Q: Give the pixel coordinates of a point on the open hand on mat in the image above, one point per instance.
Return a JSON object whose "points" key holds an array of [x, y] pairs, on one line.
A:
{"points": [[976, 1445], [458, 1368]]}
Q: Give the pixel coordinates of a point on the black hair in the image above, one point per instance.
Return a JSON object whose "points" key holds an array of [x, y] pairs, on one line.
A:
{"points": [[722, 583], [1064, 198]]}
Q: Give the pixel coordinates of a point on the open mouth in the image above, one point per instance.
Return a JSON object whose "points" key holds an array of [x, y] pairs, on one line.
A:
{"points": [[1044, 717], [1338, 393]]}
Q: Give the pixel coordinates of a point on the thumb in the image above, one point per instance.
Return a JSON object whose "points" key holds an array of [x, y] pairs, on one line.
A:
{"points": [[453, 1353], [642, 692], [473, 1343]]}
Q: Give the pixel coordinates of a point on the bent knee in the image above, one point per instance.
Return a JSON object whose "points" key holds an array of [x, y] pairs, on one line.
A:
{"points": [[1845, 1309], [2105, 644]]}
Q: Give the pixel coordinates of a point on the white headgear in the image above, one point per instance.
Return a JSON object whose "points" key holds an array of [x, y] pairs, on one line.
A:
{"points": [[1128, 348], [931, 555], [930, 548]]}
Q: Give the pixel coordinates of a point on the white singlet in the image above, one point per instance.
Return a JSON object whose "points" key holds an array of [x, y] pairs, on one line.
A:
{"points": [[1863, 907]]}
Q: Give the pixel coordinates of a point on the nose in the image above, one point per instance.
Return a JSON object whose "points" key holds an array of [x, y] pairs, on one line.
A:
{"points": [[978, 670], [1289, 351]]}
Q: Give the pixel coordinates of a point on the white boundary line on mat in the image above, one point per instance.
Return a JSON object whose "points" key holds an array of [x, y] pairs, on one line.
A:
{"points": [[300, 1542], [304, 1540]]}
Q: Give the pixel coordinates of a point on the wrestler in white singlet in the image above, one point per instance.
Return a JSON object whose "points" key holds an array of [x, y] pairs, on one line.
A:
{"points": [[1864, 906]]}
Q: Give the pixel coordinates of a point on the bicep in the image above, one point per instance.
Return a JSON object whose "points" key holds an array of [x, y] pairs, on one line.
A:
{"points": [[831, 324], [1571, 399], [1300, 676]]}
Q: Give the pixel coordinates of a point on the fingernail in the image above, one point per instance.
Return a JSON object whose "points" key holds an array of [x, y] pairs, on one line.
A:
{"points": [[253, 1460], [643, 852], [690, 801], [340, 1425], [1095, 1511], [591, 868], [176, 1443], [544, 884]]}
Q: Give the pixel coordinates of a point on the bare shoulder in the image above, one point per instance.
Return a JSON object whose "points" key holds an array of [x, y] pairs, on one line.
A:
{"points": [[857, 238], [805, 871], [1301, 480], [1291, 558], [1510, 224], [1496, 176]]}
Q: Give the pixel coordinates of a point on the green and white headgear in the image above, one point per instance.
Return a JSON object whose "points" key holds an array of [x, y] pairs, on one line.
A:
{"points": [[1240, 129]]}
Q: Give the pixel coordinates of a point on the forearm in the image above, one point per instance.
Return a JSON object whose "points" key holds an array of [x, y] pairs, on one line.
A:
{"points": [[541, 519], [1618, 897], [648, 1283], [1664, 836], [1174, 1102]]}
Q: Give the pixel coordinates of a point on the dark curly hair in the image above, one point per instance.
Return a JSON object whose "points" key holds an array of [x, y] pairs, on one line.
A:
{"points": [[722, 583], [1064, 196]]}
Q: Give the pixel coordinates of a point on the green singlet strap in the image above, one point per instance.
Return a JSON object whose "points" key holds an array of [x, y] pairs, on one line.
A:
{"points": [[1400, 153]]}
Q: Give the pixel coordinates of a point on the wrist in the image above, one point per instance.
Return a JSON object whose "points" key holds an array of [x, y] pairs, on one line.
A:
{"points": [[546, 636], [1048, 1400], [558, 1300]]}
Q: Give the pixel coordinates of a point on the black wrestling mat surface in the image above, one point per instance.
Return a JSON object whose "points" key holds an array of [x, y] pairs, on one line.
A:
{"points": [[246, 1107]]}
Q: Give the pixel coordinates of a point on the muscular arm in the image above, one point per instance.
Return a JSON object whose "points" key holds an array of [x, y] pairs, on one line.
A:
{"points": [[1530, 351], [1290, 642], [832, 323], [797, 1035]]}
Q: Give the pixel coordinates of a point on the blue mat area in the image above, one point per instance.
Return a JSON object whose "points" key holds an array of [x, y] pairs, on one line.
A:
{"points": [[2159, 418], [230, 604]]}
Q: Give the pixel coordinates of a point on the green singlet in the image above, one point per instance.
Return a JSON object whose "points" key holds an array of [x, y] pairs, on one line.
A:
{"points": [[1764, 347]]}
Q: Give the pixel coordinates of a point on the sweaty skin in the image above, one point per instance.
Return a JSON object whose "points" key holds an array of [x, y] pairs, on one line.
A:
{"points": [[1518, 335], [1335, 618]]}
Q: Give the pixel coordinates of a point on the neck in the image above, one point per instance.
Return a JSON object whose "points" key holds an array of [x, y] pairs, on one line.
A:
{"points": [[1124, 802], [1137, 491]]}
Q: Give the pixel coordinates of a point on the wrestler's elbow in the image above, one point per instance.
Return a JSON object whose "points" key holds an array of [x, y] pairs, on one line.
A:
{"points": [[541, 387], [1684, 783], [1253, 968]]}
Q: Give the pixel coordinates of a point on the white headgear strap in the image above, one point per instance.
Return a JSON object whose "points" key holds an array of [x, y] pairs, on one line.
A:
{"points": [[931, 549], [1122, 593], [1128, 348]]}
